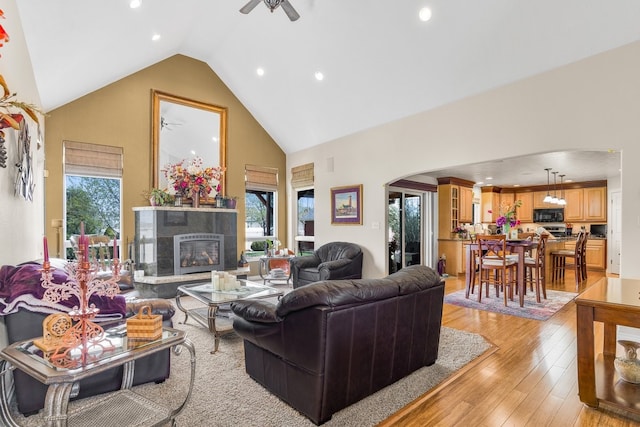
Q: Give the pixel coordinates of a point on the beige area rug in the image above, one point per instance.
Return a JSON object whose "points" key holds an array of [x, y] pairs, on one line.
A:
{"points": [[225, 396]]}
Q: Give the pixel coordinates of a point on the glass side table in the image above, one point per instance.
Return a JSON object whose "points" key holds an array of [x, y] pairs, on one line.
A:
{"points": [[122, 407], [275, 267]]}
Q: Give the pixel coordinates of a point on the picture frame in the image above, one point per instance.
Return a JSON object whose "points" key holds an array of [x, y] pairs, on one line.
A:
{"points": [[346, 205]]}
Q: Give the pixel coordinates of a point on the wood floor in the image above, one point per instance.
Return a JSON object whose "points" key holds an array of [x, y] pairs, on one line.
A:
{"points": [[528, 379]]}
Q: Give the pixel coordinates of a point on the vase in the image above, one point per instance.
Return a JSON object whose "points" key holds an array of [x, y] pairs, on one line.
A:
{"points": [[195, 197], [628, 366]]}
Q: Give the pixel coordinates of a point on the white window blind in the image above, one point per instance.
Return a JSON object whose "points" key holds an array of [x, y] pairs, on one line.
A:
{"points": [[302, 176], [260, 178], [83, 158]]}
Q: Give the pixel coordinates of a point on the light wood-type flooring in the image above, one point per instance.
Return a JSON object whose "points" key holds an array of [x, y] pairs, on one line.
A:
{"points": [[528, 379]]}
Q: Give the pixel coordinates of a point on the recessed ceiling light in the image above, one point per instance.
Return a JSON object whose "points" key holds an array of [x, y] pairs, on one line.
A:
{"points": [[424, 14], [489, 178], [319, 76], [134, 4], [479, 182], [155, 37], [260, 71]]}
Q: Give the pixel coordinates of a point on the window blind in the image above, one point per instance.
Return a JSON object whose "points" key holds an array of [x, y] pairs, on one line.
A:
{"points": [[83, 158], [260, 178], [302, 176]]}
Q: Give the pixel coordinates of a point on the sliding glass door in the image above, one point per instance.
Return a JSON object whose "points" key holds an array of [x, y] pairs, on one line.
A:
{"points": [[405, 221]]}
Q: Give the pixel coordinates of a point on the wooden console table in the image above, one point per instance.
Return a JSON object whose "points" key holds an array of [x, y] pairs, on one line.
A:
{"points": [[613, 302]]}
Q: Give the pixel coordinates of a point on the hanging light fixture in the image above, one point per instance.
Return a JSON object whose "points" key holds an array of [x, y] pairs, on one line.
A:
{"points": [[561, 200], [548, 197], [554, 199]]}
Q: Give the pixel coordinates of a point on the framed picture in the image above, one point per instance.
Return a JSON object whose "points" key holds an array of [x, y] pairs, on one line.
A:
{"points": [[346, 205]]}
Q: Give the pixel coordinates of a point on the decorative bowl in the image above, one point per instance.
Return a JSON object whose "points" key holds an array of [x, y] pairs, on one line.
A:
{"points": [[628, 369]]}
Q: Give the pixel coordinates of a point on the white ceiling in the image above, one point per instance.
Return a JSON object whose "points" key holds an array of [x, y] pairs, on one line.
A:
{"points": [[380, 62]]}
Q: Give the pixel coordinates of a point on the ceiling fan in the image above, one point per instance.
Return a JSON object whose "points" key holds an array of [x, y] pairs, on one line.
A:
{"points": [[272, 5]]}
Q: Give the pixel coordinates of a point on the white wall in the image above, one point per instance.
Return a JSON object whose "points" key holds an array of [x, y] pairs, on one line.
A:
{"points": [[21, 222], [589, 105]]}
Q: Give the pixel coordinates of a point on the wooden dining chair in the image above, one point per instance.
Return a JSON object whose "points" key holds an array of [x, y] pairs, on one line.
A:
{"points": [[575, 258], [474, 255], [496, 267], [535, 269]]}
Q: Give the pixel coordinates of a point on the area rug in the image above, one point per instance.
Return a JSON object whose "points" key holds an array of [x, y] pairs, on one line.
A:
{"points": [[531, 310], [225, 396]]}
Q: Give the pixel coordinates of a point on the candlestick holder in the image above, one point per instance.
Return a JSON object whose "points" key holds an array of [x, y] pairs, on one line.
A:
{"points": [[85, 341]]}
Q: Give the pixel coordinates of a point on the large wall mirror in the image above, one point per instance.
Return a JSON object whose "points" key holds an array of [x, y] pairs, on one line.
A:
{"points": [[183, 129]]}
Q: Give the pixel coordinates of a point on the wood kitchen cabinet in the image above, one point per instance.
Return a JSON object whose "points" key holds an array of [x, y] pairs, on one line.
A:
{"points": [[525, 212], [574, 209], [595, 204], [489, 201], [596, 253], [455, 204], [466, 205], [538, 200], [586, 204]]}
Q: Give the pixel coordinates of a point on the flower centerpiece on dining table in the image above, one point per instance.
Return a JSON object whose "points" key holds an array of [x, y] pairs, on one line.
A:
{"points": [[193, 180], [507, 218]]}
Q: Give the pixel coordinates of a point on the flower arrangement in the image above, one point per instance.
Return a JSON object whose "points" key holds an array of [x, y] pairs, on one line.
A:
{"points": [[185, 180], [508, 215], [460, 231]]}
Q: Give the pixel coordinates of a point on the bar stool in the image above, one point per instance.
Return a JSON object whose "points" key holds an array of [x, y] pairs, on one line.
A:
{"points": [[576, 257]]}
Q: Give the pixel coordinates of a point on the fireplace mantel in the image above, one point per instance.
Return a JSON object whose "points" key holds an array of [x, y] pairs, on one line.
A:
{"points": [[155, 227]]}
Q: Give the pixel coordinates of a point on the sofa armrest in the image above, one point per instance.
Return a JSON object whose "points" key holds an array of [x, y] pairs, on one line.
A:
{"points": [[305, 261], [335, 264], [256, 311]]}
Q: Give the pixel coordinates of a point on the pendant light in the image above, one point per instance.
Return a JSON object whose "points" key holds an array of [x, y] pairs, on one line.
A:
{"points": [[548, 197], [561, 200], [554, 199]]}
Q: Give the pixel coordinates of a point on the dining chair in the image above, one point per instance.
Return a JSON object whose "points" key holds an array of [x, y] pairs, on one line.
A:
{"points": [[475, 266], [535, 269], [496, 267], [576, 259]]}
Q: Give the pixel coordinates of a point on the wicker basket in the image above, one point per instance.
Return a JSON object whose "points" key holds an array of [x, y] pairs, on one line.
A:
{"points": [[144, 325]]}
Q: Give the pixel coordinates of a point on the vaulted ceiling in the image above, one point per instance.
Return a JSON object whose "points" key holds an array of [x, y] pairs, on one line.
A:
{"points": [[379, 60]]}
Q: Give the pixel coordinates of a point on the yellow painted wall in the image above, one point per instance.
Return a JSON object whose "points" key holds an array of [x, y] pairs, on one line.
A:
{"points": [[120, 115]]}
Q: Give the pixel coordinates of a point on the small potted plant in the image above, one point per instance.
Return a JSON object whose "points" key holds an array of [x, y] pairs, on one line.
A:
{"points": [[158, 197]]}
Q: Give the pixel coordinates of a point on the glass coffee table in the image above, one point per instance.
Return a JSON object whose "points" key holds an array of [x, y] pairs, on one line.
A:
{"points": [[216, 315]]}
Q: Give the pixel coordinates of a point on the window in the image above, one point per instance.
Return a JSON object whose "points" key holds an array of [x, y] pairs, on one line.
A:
{"points": [[93, 192], [302, 183], [261, 184]]}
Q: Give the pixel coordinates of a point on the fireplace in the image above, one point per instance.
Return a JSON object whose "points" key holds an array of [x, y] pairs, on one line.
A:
{"points": [[197, 252]]}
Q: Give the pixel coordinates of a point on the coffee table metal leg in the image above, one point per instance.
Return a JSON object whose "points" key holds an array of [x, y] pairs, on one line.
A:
{"points": [[213, 312], [181, 308]]}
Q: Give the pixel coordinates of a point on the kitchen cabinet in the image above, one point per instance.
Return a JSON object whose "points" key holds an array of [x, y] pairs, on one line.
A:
{"points": [[538, 200], [453, 249], [574, 209], [489, 201], [596, 253], [448, 209], [455, 206], [586, 204], [595, 204], [525, 212], [465, 205], [507, 199]]}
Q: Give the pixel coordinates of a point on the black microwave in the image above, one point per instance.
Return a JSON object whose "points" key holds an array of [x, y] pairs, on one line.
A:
{"points": [[548, 215]]}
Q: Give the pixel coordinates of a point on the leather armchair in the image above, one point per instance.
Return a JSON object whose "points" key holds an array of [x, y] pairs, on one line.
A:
{"points": [[327, 345], [332, 261]]}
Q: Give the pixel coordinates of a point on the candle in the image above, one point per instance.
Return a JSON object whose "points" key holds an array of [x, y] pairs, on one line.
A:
{"points": [[115, 248], [46, 249]]}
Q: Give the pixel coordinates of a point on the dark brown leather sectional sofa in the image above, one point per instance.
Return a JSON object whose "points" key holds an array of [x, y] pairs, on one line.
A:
{"points": [[329, 344]]}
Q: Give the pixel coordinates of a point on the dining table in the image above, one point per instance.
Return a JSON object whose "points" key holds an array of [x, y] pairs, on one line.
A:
{"points": [[515, 246]]}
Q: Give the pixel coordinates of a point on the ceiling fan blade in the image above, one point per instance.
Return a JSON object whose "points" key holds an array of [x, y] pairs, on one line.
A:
{"points": [[249, 6], [289, 10]]}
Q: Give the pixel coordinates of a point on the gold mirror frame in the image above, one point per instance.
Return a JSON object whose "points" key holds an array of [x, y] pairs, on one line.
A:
{"points": [[218, 117]]}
